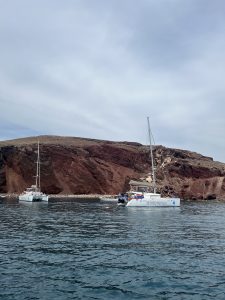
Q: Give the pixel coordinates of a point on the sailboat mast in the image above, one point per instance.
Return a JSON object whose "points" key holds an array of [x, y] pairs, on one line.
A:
{"points": [[38, 171], [152, 160]]}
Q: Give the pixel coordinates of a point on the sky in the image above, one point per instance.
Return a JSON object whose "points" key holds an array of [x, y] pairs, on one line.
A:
{"points": [[97, 69]]}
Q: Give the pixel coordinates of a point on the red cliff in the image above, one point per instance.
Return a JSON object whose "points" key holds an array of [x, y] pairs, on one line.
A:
{"points": [[86, 166]]}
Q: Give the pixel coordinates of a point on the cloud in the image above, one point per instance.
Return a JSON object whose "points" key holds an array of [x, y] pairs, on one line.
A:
{"points": [[97, 69]]}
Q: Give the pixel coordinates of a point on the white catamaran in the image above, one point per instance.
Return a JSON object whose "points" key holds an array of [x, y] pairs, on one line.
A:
{"points": [[34, 193], [145, 198]]}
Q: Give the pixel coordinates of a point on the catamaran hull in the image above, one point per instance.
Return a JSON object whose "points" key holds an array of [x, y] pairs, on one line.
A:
{"points": [[32, 198], [162, 202]]}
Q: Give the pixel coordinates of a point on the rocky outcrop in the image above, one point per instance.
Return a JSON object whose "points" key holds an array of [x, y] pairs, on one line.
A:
{"points": [[84, 166]]}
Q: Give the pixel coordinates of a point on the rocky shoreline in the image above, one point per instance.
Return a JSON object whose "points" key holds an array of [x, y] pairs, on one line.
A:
{"points": [[63, 196]]}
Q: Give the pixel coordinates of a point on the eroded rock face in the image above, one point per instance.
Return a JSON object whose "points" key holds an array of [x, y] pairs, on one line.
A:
{"points": [[84, 166]]}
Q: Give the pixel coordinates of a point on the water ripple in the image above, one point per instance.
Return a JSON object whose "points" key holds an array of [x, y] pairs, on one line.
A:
{"points": [[85, 250]]}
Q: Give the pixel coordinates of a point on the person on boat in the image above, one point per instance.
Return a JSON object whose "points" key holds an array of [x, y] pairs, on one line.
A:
{"points": [[122, 198]]}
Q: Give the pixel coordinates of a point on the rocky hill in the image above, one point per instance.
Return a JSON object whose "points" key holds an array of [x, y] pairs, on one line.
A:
{"points": [[72, 165]]}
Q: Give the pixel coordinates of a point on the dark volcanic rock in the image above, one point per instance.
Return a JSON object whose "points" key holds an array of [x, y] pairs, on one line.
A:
{"points": [[86, 166]]}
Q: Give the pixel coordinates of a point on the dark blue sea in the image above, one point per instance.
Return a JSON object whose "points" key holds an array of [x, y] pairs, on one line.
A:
{"points": [[94, 250]]}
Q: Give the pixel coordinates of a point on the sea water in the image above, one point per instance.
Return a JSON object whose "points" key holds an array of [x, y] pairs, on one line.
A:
{"points": [[94, 250]]}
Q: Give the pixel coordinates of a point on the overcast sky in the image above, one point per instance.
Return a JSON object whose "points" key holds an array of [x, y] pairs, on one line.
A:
{"points": [[98, 68]]}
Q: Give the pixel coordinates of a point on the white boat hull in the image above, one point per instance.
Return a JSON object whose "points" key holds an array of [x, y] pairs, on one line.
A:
{"points": [[154, 202], [33, 198]]}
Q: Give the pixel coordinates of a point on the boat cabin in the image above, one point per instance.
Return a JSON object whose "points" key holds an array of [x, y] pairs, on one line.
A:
{"points": [[140, 186], [33, 188]]}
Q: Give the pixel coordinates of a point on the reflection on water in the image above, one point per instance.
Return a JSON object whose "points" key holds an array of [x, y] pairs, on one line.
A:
{"points": [[95, 250]]}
